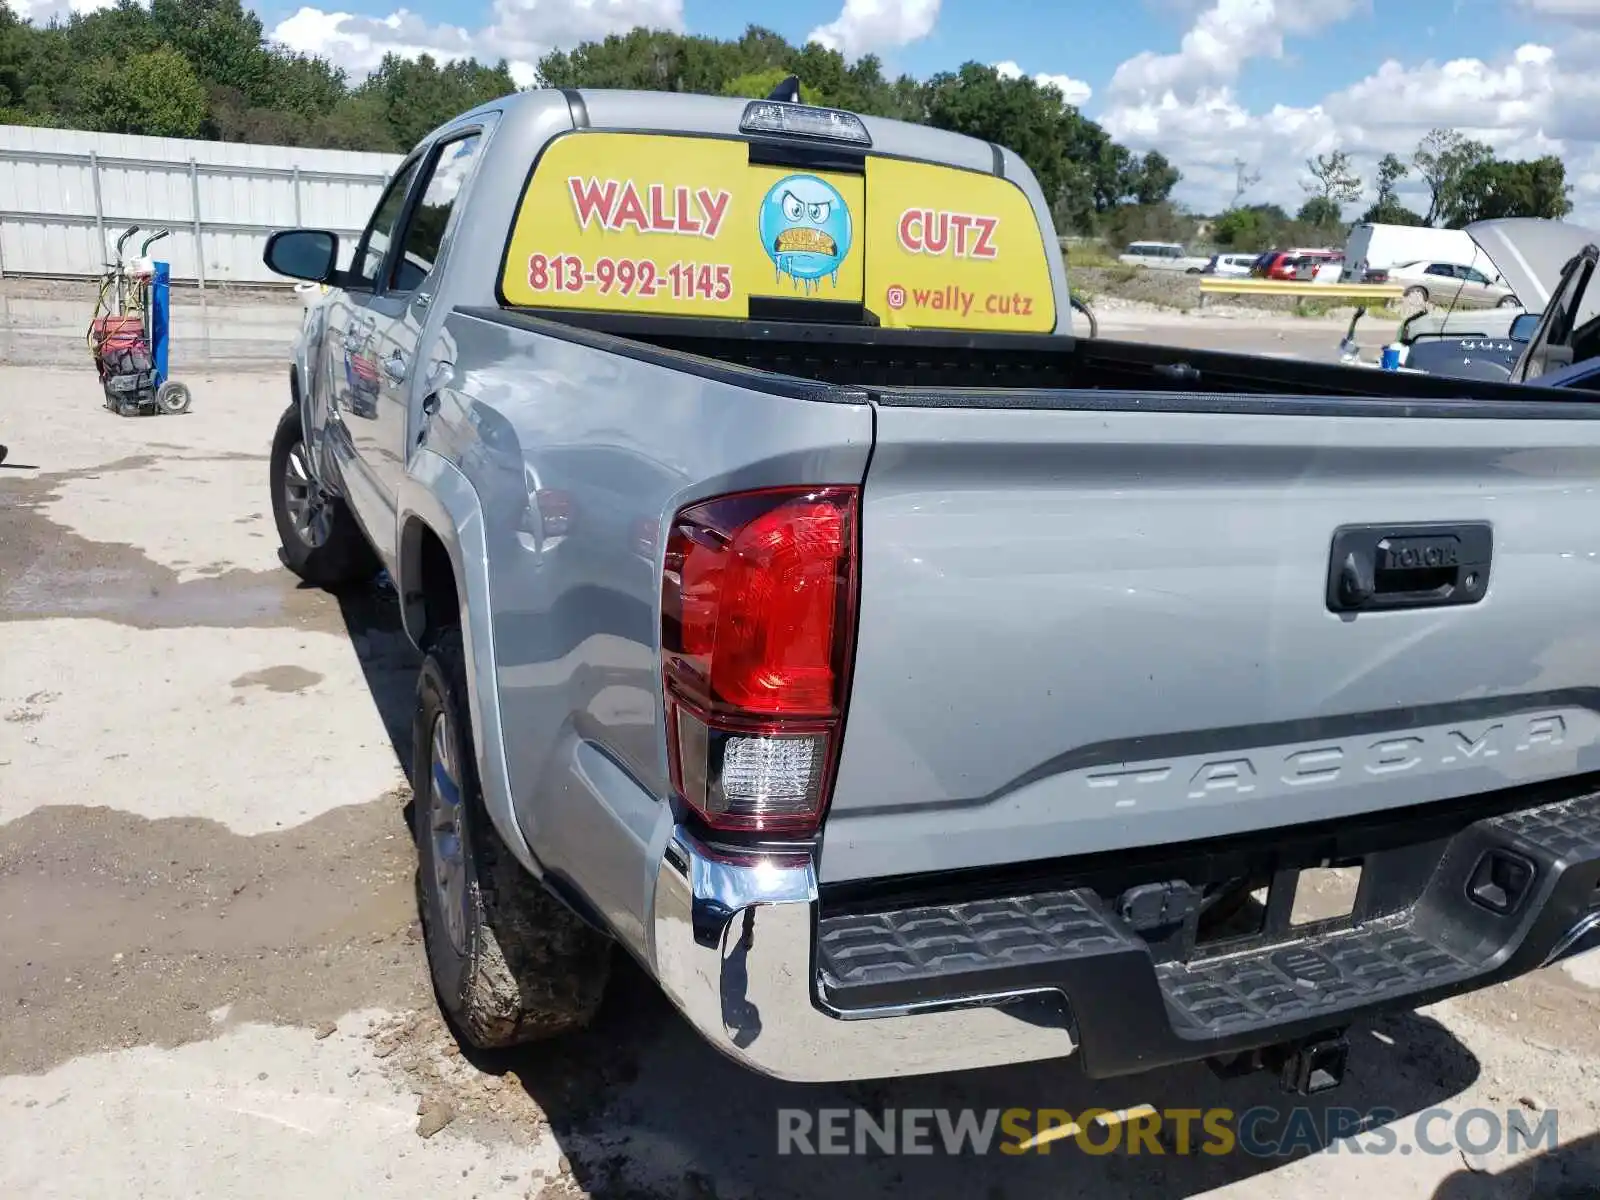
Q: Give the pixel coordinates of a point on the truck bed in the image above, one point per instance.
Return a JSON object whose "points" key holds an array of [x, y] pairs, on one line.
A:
{"points": [[1097, 588], [991, 369]]}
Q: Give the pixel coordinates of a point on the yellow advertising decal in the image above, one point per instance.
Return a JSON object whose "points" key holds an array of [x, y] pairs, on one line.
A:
{"points": [[688, 226], [953, 249], [680, 225]]}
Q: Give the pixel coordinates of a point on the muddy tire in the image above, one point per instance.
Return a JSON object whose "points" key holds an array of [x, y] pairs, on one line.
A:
{"points": [[320, 539], [510, 963]]}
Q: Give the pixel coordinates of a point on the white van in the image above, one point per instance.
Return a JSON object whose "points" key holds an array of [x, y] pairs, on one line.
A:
{"points": [[1379, 247]]}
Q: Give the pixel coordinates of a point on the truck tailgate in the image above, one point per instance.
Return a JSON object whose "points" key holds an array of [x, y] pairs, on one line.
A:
{"points": [[1086, 625]]}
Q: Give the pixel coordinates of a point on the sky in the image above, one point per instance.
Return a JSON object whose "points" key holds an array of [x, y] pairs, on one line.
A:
{"points": [[1209, 83]]}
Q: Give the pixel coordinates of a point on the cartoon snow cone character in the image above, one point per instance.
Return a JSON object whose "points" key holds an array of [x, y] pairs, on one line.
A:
{"points": [[805, 230]]}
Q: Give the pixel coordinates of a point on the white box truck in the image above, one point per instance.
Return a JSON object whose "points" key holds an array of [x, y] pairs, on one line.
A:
{"points": [[1377, 247]]}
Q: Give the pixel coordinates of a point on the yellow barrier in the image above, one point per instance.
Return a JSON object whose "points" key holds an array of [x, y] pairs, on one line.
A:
{"points": [[1222, 285]]}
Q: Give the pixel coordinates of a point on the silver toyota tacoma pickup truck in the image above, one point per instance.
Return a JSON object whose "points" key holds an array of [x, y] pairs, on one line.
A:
{"points": [[907, 684]]}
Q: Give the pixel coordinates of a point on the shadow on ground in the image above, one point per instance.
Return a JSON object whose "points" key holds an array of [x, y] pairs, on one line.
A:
{"points": [[1570, 1172], [388, 660], [643, 1107]]}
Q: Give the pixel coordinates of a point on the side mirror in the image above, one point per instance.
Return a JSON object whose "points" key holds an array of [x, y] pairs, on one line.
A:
{"points": [[303, 254], [1523, 326]]}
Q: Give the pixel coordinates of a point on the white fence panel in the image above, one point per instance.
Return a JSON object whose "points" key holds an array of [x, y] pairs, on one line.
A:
{"points": [[66, 194]]}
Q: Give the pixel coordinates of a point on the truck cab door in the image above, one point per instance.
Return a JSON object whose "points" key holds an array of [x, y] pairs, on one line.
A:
{"points": [[351, 371], [1571, 311], [405, 360]]}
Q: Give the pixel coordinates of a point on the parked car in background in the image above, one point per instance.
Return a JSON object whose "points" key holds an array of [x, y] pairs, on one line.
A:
{"points": [[1372, 248], [1162, 256], [1284, 264], [1232, 266], [1274, 264], [1434, 282]]}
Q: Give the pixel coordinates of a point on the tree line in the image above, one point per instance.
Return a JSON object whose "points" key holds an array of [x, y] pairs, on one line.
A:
{"points": [[1464, 182], [206, 69]]}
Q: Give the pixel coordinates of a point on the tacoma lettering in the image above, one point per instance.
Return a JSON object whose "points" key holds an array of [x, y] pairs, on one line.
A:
{"points": [[1331, 762]]}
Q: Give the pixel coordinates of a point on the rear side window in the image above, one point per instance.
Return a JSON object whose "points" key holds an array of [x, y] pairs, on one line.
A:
{"points": [[431, 218]]}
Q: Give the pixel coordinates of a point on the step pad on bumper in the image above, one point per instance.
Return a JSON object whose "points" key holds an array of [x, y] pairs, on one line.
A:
{"points": [[1283, 983], [1134, 1013], [935, 943]]}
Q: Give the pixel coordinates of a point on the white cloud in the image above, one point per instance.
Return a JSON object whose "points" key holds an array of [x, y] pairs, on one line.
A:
{"points": [[358, 44], [1536, 99], [1222, 38], [1074, 91], [866, 26], [520, 31]]}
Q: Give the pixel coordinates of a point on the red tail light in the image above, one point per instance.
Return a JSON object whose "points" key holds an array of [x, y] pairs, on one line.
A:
{"points": [[758, 605]]}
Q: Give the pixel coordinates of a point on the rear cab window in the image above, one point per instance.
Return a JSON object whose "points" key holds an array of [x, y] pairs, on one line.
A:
{"points": [[693, 225]]}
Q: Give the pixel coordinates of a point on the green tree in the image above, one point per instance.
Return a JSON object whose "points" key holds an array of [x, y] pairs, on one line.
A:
{"points": [[67, 72], [1493, 189], [1151, 179], [155, 93], [1443, 159], [1321, 212], [1084, 175], [418, 95], [1163, 222], [758, 85], [1253, 227], [1334, 181], [653, 60], [358, 122], [221, 39], [1387, 209]]}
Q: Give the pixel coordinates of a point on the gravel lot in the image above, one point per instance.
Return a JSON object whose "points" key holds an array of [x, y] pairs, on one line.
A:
{"points": [[210, 972]]}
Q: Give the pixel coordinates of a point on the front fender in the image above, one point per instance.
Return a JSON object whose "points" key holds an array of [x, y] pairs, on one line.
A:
{"points": [[435, 494]]}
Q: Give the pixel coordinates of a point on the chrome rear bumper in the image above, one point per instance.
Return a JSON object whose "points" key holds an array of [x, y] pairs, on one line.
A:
{"points": [[733, 949]]}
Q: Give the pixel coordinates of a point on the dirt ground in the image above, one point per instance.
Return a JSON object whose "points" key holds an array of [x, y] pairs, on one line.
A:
{"points": [[210, 978]]}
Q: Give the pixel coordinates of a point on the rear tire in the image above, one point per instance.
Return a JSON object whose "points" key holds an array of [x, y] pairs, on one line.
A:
{"points": [[1417, 295], [320, 538], [1509, 302], [510, 963]]}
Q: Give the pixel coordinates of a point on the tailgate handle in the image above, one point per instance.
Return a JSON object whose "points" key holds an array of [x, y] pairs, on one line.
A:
{"points": [[1373, 568]]}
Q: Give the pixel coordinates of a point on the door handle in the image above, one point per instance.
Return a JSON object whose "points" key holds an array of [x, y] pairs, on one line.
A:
{"points": [[395, 367], [1375, 568]]}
